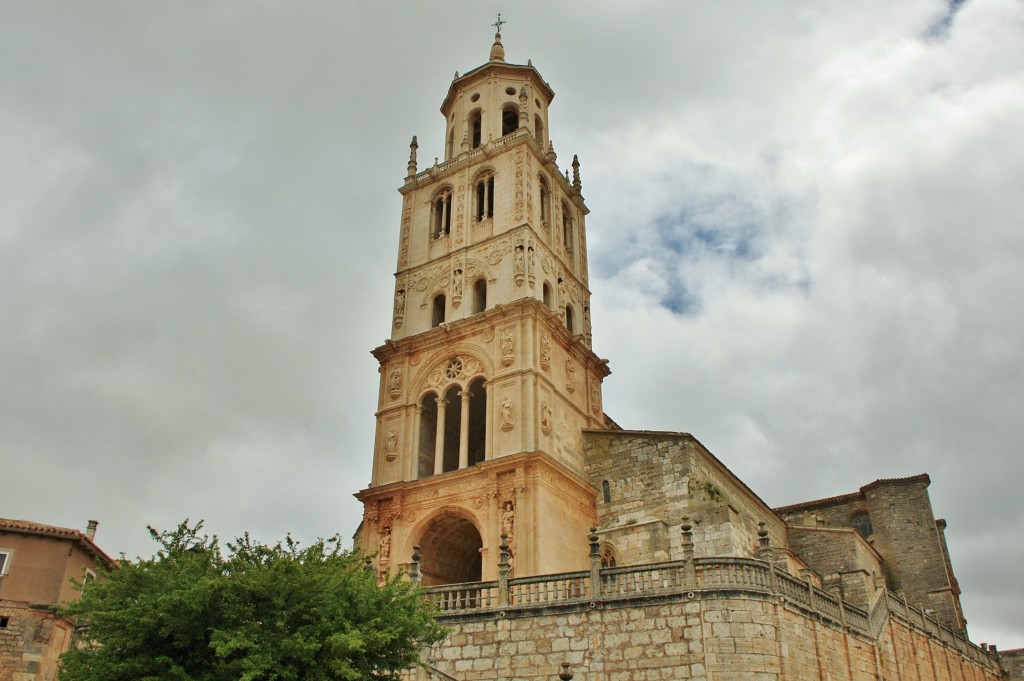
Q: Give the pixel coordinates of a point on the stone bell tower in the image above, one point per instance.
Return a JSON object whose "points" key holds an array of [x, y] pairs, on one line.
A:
{"points": [[488, 379]]}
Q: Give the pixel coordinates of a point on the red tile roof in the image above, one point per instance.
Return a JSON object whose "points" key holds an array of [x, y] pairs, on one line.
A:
{"points": [[29, 527]]}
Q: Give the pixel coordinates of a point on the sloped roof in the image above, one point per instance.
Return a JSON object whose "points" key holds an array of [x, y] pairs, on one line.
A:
{"points": [[70, 534]]}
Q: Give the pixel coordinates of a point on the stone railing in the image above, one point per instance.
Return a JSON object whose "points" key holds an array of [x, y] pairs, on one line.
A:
{"points": [[688, 578]]}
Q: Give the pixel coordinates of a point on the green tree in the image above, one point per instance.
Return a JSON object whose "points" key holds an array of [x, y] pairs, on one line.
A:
{"points": [[256, 612]]}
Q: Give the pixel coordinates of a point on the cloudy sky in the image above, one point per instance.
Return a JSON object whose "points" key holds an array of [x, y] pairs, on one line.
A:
{"points": [[806, 248]]}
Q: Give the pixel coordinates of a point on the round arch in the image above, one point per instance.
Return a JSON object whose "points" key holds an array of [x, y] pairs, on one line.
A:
{"points": [[451, 547]]}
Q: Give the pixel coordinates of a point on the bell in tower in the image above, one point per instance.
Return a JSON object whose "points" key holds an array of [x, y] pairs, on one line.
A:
{"points": [[488, 380]]}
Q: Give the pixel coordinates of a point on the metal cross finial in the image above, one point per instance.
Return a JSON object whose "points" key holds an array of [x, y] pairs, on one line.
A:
{"points": [[499, 23]]}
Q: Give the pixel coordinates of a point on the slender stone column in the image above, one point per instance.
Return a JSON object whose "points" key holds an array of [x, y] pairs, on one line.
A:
{"points": [[464, 429], [439, 437]]}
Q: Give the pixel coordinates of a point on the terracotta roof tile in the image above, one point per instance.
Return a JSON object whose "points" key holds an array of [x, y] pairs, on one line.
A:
{"points": [[29, 527]]}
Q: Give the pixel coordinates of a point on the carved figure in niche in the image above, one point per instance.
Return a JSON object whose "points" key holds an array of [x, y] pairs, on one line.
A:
{"points": [[399, 302], [508, 521], [384, 554], [391, 445], [545, 352], [457, 284], [595, 399], [508, 420], [586, 320], [545, 417], [519, 263], [507, 348], [395, 382], [570, 375], [533, 263]]}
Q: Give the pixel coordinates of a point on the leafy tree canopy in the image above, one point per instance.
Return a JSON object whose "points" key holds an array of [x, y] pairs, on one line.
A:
{"points": [[256, 612]]}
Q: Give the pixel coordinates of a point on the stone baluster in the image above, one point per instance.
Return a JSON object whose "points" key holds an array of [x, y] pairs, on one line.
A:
{"points": [[504, 567], [764, 552], [595, 564], [689, 570]]}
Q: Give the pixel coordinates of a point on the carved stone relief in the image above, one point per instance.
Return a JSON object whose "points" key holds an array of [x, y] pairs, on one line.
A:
{"points": [[508, 419], [399, 307], [458, 368], [595, 398], [391, 445], [519, 264], [546, 417], [545, 352], [570, 375], [395, 382], [507, 348]]}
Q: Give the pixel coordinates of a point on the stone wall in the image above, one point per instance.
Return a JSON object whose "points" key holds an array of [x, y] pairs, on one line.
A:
{"points": [[31, 642], [655, 480], [850, 568], [699, 636], [906, 535]]}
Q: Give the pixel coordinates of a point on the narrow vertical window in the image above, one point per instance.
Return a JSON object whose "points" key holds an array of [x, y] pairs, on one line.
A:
{"points": [[437, 318], [475, 128], [545, 203], [547, 295], [862, 523], [607, 489], [538, 129], [566, 227], [442, 214], [479, 296], [570, 323], [4, 561]]}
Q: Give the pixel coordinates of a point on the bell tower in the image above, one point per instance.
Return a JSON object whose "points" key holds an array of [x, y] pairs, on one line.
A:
{"points": [[488, 379]]}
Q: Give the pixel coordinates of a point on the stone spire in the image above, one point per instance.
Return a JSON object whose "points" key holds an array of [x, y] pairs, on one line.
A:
{"points": [[412, 156], [576, 184]]}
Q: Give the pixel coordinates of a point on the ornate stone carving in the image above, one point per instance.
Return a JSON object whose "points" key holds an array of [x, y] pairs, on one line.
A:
{"points": [[508, 527], [545, 352], [507, 348], [570, 375], [395, 382], [399, 307], [456, 287], [391, 445], [508, 419], [546, 417], [519, 265], [458, 368], [595, 398]]}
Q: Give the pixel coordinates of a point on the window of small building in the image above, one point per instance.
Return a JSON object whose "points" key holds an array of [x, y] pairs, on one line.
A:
{"points": [[4, 621], [5, 559], [479, 296], [862, 523], [538, 128], [437, 317], [607, 490], [509, 119]]}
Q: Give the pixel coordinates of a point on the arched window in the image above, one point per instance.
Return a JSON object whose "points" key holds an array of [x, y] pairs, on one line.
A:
{"points": [[538, 129], [484, 197], [570, 322], [547, 295], [608, 556], [428, 435], [509, 119], [566, 227], [441, 210], [450, 149], [477, 421], [479, 296], [475, 128], [452, 421], [862, 523], [438, 311], [545, 203], [607, 490]]}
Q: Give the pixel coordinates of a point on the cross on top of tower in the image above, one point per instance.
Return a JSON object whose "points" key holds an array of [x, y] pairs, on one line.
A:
{"points": [[499, 23]]}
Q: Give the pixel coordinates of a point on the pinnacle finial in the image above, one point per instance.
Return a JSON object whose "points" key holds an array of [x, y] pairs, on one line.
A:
{"points": [[576, 184], [412, 156], [497, 49]]}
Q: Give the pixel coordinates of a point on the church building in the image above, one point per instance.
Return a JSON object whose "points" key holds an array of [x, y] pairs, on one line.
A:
{"points": [[556, 543]]}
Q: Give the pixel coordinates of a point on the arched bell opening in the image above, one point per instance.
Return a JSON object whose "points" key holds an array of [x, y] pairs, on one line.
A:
{"points": [[477, 421], [428, 435], [450, 552], [452, 427]]}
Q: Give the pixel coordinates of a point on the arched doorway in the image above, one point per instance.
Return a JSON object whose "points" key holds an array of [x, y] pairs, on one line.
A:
{"points": [[450, 552]]}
